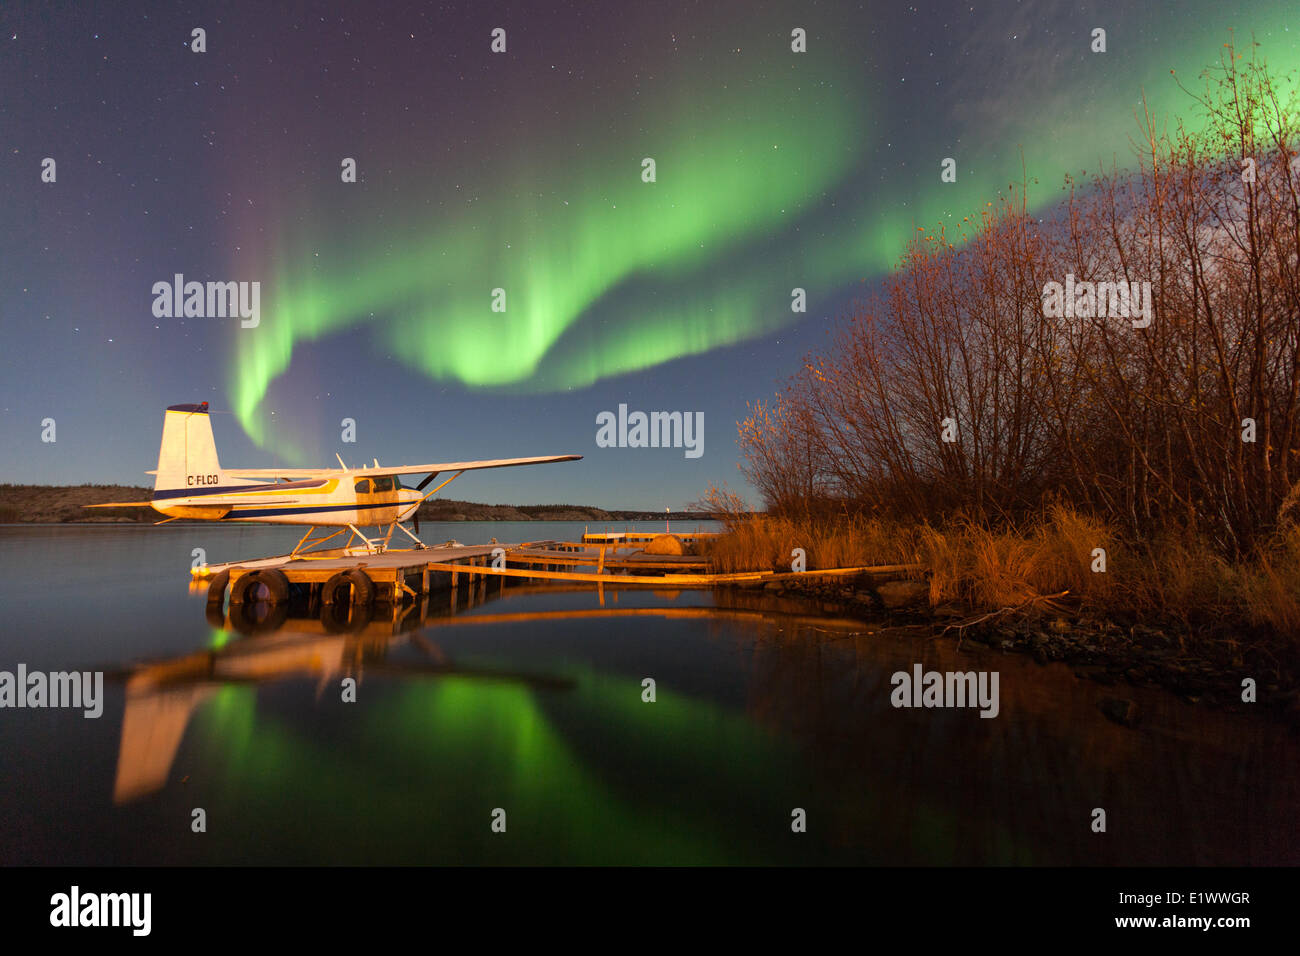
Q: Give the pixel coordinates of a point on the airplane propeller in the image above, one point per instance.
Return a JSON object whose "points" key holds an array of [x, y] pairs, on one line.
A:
{"points": [[420, 487]]}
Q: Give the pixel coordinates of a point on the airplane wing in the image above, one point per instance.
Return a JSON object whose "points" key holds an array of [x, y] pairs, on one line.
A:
{"points": [[398, 470]]}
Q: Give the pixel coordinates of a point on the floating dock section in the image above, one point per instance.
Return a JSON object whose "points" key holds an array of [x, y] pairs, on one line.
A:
{"points": [[644, 537]]}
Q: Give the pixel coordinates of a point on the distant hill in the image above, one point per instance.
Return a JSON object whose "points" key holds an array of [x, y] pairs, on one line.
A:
{"points": [[52, 504]]}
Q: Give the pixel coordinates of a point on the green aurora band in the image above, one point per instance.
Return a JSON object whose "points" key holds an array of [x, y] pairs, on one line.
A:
{"points": [[761, 188]]}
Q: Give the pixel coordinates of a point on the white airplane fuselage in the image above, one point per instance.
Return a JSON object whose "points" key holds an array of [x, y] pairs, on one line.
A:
{"points": [[352, 498]]}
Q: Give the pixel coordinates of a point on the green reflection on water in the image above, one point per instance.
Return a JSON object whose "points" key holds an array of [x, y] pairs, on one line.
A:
{"points": [[413, 772], [417, 775]]}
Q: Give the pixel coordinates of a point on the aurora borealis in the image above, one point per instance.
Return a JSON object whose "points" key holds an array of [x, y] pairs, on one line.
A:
{"points": [[519, 171], [727, 179]]}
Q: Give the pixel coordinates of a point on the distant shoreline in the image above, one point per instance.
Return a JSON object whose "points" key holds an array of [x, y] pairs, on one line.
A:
{"points": [[66, 504]]}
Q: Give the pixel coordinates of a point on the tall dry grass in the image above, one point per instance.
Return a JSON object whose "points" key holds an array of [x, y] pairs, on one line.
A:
{"points": [[971, 563], [761, 542], [1272, 593], [1175, 578]]}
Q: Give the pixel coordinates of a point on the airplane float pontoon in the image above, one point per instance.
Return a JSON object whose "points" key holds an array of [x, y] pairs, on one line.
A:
{"points": [[190, 483]]}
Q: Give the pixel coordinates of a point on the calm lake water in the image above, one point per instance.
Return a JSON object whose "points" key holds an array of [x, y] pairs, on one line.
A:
{"points": [[529, 701]]}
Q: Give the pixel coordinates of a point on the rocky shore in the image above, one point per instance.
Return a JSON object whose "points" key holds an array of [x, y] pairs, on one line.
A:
{"points": [[1202, 667]]}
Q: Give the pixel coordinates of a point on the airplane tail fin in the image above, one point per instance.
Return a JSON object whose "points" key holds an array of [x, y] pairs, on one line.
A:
{"points": [[187, 458]]}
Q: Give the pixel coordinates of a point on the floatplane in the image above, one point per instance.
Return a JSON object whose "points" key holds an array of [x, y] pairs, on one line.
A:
{"points": [[190, 483]]}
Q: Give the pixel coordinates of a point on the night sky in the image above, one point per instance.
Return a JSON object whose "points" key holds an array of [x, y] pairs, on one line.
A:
{"points": [[520, 171]]}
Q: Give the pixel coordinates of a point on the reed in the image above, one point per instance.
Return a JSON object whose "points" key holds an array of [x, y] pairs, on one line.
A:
{"points": [[767, 543], [1177, 578]]}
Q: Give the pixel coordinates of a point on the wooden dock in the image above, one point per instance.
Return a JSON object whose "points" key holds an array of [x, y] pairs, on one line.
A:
{"points": [[397, 575], [563, 554]]}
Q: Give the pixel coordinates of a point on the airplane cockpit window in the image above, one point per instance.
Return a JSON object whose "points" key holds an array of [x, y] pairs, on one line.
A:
{"points": [[365, 486]]}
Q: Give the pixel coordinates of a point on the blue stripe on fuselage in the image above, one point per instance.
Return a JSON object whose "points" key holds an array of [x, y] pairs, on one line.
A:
{"points": [[201, 492]]}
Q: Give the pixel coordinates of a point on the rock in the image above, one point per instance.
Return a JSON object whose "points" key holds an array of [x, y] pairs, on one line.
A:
{"points": [[1119, 710], [898, 594]]}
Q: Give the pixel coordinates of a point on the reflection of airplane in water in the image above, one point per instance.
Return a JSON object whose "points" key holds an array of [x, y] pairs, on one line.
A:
{"points": [[336, 641], [161, 696]]}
